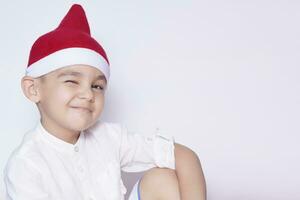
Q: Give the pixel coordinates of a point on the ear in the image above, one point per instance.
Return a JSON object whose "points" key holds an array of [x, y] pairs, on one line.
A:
{"points": [[30, 88]]}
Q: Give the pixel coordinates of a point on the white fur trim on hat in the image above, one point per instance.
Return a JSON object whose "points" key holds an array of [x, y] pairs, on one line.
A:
{"points": [[66, 57]]}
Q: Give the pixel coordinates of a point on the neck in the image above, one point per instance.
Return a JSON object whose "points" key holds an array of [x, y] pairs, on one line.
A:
{"points": [[62, 133]]}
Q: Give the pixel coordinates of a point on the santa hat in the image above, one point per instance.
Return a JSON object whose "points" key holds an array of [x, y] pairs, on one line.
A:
{"points": [[70, 43]]}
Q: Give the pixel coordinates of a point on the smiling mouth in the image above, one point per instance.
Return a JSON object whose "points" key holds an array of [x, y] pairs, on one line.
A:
{"points": [[82, 109]]}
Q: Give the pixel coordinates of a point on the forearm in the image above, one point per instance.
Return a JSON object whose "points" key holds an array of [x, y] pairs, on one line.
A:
{"points": [[189, 173]]}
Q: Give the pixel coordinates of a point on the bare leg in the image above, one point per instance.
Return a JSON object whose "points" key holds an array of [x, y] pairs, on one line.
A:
{"points": [[159, 184]]}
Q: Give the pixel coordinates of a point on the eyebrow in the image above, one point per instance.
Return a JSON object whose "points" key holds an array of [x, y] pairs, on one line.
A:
{"points": [[78, 74], [68, 73]]}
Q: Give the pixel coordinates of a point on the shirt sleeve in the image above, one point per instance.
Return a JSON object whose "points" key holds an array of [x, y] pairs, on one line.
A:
{"points": [[139, 152], [23, 182]]}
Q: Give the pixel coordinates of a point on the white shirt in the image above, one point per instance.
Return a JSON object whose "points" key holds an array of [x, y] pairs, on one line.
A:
{"points": [[44, 167]]}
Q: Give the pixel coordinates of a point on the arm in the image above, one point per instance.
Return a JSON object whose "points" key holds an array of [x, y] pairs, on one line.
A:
{"points": [[142, 152], [139, 153], [189, 173]]}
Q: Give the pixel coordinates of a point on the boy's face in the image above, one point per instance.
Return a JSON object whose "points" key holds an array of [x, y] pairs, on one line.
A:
{"points": [[71, 98]]}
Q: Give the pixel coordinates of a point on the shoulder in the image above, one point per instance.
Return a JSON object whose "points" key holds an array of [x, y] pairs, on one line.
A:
{"points": [[25, 154], [105, 126], [106, 137], [106, 130]]}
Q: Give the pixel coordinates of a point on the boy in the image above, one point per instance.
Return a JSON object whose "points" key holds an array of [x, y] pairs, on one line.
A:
{"points": [[71, 154]]}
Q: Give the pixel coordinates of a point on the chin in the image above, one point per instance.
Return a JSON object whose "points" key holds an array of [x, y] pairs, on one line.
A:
{"points": [[79, 125]]}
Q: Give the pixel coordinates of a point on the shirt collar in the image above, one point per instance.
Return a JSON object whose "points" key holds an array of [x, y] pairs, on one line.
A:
{"points": [[57, 143]]}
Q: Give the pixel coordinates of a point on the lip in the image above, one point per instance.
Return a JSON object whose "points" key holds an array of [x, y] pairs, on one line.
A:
{"points": [[83, 109]]}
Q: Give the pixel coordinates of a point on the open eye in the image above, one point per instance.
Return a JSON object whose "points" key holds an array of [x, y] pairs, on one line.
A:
{"points": [[98, 87]]}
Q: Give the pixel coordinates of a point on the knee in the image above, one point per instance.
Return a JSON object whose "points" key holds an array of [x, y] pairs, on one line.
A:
{"points": [[159, 183], [160, 175]]}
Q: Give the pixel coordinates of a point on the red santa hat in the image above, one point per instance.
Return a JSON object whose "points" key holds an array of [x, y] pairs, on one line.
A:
{"points": [[70, 43]]}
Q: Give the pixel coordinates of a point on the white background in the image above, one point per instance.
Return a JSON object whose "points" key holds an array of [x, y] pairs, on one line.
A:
{"points": [[221, 76]]}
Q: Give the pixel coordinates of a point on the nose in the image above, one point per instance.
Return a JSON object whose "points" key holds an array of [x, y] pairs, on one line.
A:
{"points": [[86, 93]]}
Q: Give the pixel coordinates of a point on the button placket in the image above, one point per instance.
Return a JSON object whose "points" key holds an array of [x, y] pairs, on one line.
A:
{"points": [[76, 149], [82, 172], [79, 163]]}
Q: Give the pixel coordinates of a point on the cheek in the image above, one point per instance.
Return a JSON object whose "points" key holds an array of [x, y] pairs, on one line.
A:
{"points": [[99, 101], [55, 100], [62, 96]]}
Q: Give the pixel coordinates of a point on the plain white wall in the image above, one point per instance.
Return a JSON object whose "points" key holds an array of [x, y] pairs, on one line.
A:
{"points": [[221, 76]]}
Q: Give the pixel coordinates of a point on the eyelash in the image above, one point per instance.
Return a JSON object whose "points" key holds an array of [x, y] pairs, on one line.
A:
{"points": [[101, 87], [75, 82], [70, 81]]}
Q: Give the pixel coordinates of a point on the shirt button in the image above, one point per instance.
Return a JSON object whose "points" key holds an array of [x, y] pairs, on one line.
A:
{"points": [[76, 148]]}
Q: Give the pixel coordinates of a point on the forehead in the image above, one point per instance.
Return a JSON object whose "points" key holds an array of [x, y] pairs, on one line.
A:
{"points": [[79, 71], [80, 68]]}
